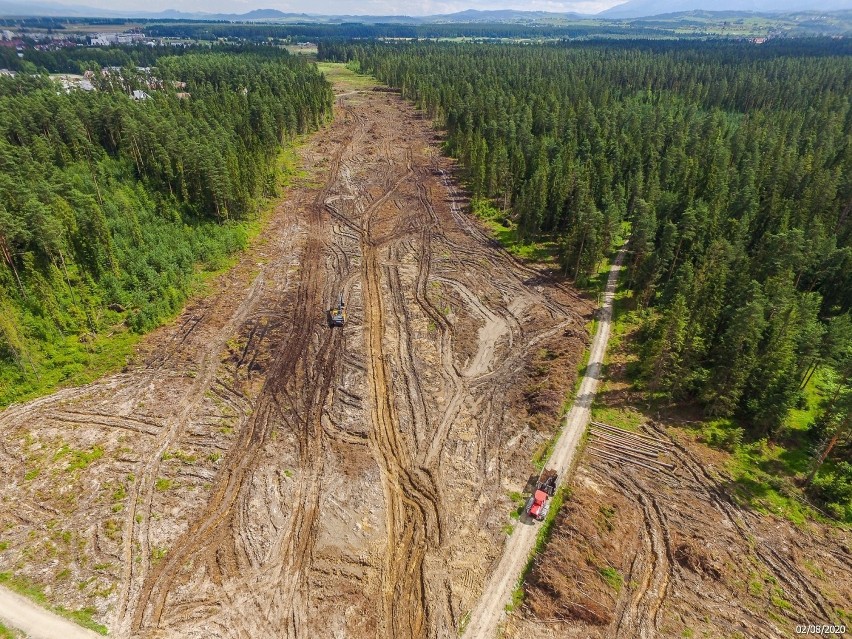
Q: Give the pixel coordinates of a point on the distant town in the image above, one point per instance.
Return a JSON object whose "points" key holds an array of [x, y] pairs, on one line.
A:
{"points": [[53, 40], [26, 39]]}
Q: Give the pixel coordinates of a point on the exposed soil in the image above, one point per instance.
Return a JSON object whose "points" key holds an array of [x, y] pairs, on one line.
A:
{"points": [[487, 616], [638, 553], [255, 473]]}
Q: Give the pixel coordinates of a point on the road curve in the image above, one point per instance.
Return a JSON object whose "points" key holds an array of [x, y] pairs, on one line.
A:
{"points": [[22, 614], [491, 607]]}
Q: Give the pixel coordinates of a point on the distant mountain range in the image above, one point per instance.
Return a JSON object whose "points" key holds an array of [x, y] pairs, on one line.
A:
{"points": [[648, 8], [632, 9]]}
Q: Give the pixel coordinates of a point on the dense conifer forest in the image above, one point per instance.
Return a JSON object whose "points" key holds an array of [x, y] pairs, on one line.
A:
{"points": [[731, 164], [108, 204]]}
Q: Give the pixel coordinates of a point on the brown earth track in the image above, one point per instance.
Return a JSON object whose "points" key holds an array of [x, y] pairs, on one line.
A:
{"points": [[214, 520], [264, 475]]}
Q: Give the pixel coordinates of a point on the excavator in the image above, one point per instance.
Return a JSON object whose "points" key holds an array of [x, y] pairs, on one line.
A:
{"points": [[337, 315]]}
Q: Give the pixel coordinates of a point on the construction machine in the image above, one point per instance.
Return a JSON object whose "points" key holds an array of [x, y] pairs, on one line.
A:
{"points": [[337, 315], [539, 502]]}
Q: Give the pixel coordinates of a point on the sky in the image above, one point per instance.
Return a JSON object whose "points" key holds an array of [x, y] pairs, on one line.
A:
{"points": [[353, 7]]}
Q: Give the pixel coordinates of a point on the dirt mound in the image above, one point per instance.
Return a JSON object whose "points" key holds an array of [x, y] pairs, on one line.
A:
{"points": [[689, 555]]}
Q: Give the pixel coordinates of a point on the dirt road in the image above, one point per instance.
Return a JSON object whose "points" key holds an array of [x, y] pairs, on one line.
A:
{"points": [[491, 607], [21, 614], [254, 473]]}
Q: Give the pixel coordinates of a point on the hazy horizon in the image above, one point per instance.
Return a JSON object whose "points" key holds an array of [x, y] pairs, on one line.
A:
{"points": [[343, 7]]}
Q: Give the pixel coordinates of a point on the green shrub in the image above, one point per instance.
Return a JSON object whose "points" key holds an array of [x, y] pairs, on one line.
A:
{"points": [[833, 488]]}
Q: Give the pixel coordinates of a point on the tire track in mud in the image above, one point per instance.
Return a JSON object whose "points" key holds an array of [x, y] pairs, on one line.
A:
{"points": [[137, 518], [452, 377], [217, 516], [811, 603], [412, 503], [413, 390], [640, 616]]}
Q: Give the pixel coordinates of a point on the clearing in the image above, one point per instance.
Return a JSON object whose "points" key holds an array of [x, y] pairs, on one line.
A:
{"points": [[254, 473]]}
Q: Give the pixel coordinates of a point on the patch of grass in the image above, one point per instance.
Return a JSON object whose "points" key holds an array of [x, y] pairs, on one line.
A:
{"points": [[621, 417], [84, 617], [112, 529], [214, 457], [32, 474], [463, 623], [186, 458], [545, 450], [755, 587], [346, 76], [814, 569], [9, 633], [723, 433], [119, 493], [78, 459], [518, 501], [3, 545], [32, 591], [163, 484], [505, 232], [804, 413], [157, 553], [613, 577], [517, 595], [607, 515], [762, 485], [777, 599], [508, 529]]}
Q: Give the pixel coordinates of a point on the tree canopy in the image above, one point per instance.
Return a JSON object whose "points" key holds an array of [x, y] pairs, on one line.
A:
{"points": [[731, 163], [107, 203]]}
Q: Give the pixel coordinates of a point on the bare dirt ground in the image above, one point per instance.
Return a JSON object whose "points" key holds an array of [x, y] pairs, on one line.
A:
{"points": [[490, 609], [254, 473], [640, 554]]}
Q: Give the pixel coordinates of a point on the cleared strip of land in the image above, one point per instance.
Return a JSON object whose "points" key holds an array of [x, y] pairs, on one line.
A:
{"points": [[491, 608], [256, 473]]}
